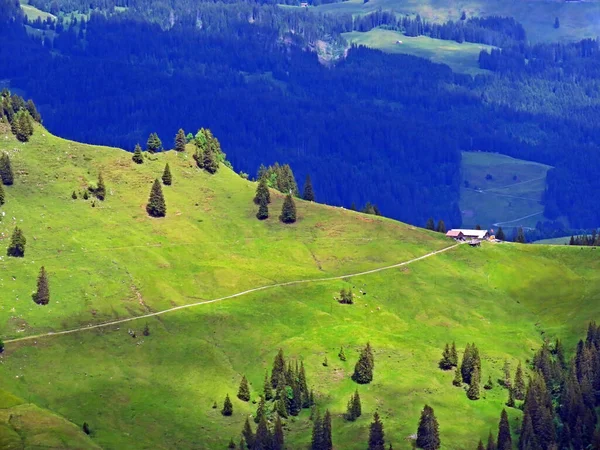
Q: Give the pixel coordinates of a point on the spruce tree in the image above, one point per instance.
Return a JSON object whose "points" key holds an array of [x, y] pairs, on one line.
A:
{"points": [[244, 390], [500, 234], [446, 361], [16, 248], [156, 206], [376, 435], [363, 371], [511, 397], [489, 385], [210, 161], [341, 354], [506, 371], [288, 211], [263, 211], [100, 191], [491, 444], [227, 406], [260, 410], [262, 439], [267, 389], [453, 355], [354, 409], [317, 432], [74, 195], [42, 294], [473, 391], [278, 438], [2, 195], [504, 441], [466, 367], [519, 384], [308, 194], [180, 141], [167, 179], [457, 381], [262, 192], [327, 432], [441, 227], [153, 144], [520, 236], [430, 225], [138, 157], [480, 445], [303, 386], [278, 368], [6, 172], [231, 444], [248, 434], [428, 437]]}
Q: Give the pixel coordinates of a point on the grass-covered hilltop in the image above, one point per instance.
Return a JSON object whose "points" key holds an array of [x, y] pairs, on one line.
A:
{"points": [[171, 313]]}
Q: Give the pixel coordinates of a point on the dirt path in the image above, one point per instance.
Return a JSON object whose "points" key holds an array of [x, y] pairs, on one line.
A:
{"points": [[239, 294], [497, 224]]}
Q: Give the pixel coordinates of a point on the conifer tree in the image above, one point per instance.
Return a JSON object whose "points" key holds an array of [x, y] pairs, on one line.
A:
{"points": [[16, 248], [466, 367], [262, 439], [480, 445], [138, 157], [506, 371], [262, 192], [2, 195], [491, 444], [504, 441], [341, 354], [303, 386], [248, 434], [430, 225], [260, 410], [167, 179], [32, 110], [327, 432], [278, 438], [453, 355], [180, 141], [473, 391], [210, 161], [520, 236], [511, 397], [6, 172], [500, 234], [441, 227], [42, 294], [263, 211], [446, 361], [376, 435], [428, 437], [281, 406], [156, 206], [244, 390], [457, 381], [153, 144], [519, 384], [363, 371], [489, 385], [308, 194], [100, 191], [74, 195], [231, 444], [227, 406], [278, 368], [317, 433], [267, 389], [354, 409], [288, 211]]}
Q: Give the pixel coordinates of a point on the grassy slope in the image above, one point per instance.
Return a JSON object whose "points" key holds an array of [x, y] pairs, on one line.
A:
{"points": [[578, 20], [157, 391], [25, 426], [503, 198], [460, 57]]}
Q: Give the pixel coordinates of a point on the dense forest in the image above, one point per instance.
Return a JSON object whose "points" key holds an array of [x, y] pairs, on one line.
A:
{"points": [[369, 127]]}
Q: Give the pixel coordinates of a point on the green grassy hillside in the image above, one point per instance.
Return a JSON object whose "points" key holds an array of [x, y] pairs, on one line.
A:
{"points": [[111, 262], [461, 58]]}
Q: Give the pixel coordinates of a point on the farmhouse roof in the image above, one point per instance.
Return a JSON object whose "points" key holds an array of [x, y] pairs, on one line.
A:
{"points": [[454, 233], [478, 234]]}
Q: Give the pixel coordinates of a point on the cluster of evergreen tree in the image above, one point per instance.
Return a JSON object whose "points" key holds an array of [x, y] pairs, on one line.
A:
{"points": [[363, 370], [322, 432], [440, 228], [208, 153], [20, 114], [346, 296], [281, 177], [354, 410], [449, 357], [290, 385], [154, 144], [586, 240], [469, 371]]}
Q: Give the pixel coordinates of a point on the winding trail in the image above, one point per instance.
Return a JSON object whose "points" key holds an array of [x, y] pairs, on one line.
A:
{"points": [[239, 294]]}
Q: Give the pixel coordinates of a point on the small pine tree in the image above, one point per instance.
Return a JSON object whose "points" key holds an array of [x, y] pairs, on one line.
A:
{"points": [[327, 432], [480, 445], [457, 381], [42, 294], [520, 236], [511, 397], [441, 227], [317, 432], [473, 391], [453, 355], [210, 161], [278, 438], [446, 361], [278, 368], [244, 390], [156, 206], [231, 444], [341, 354], [85, 195], [354, 410], [2, 195], [74, 195], [248, 434], [16, 248], [100, 191], [86, 428], [6, 172], [363, 371], [260, 410], [146, 331], [263, 438], [430, 225], [376, 434], [288, 211], [519, 384], [500, 234], [506, 371], [227, 406], [263, 211], [308, 194], [504, 439], [489, 385], [428, 437], [180, 141], [138, 157], [491, 444], [167, 179], [262, 192], [153, 144], [267, 389]]}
